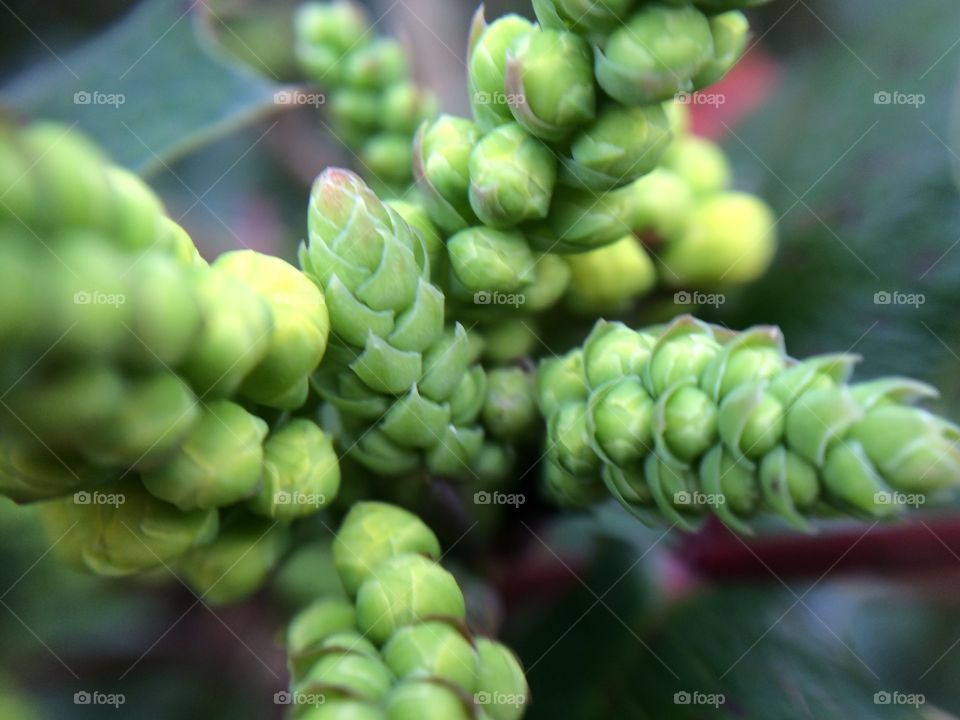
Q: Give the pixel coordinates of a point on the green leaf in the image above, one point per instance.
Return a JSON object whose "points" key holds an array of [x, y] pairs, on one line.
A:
{"points": [[148, 90]]}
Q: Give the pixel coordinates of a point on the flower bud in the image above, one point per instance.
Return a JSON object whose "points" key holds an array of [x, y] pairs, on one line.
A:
{"points": [[700, 163], [349, 674], [140, 533], [388, 158], [790, 485], [376, 66], [486, 67], [568, 490], [681, 353], [30, 472], [356, 114], [453, 453], [561, 380], [509, 339], [219, 463], [501, 676], [326, 32], [432, 650], [237, 562], [138, 214], [486, 260], [569, 435], [341, 708], [405, 590], [301, 472], [301, 326], [416, 216], [594, 18], [753, 355], [235, 335], [613, 351], [686, 423], [510, 410], [620, 146], [405, 106], [751, 421], [549, 83], [441, 159], [730, 241], [730, 32], [415, 422], [512, 176], [551, 282], [621, 421], [723, 476], [426, 700], [311, 627], [468, 399], [374, 532], [655, 55], [610, 279]]}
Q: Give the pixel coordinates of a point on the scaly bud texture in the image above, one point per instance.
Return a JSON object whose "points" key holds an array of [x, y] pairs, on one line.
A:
{"points": [[374, 106], [689, 419], [406, 386], [137, 374], [398, 646]]}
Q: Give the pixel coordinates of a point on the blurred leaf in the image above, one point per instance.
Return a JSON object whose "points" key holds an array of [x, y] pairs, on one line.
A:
{"points": [[878, 210], [149, 89]]}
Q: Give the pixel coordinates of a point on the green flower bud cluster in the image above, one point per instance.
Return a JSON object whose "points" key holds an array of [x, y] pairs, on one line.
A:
{"points": [[681, 226], [404, 386], [397, 647], [374, 106], [136, 374], [680, 421]]}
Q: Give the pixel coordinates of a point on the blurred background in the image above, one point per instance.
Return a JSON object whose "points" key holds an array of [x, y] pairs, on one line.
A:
{"points": [[842, 116]]}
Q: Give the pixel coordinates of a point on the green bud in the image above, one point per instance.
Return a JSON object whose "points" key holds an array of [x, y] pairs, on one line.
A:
{"points": [[568, 490], [789, 485], [568, 434], [850, 478], [376, 66], [549, 83], [301, 326], [454, 451], [621, 421], [610, 279], [374, 532], [311, 627], [441, 159], [301, 472], [486, 67], [135, 533], [730, 241], [177, 244], [30, 472], [595, 18], [751, 421], [235, 335], [326, 32], [551, 282], [512, 176], [613, 351], [510, 410], [487, 260], [622, 145], [355, 114], [701, 163], [219, 463], [236, 563], [509, 340], [686, 422], [417, 218], [432, 650], [655, 55], [468, 399], [681, 353], [416, 422], [388, 158], [138, 214], [146, 425], [343, 709], [723, 476], [754, 355], [405, 106], [426, 700], [445, 362], [405, 590], [561, 380], [730, 31], [502, 688], [351, 674]]}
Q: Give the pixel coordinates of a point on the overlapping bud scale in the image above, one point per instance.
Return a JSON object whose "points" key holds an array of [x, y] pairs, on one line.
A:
{"points": [[688, 419]]}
